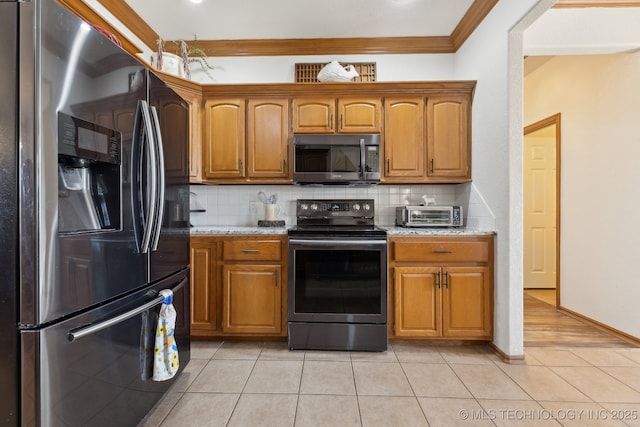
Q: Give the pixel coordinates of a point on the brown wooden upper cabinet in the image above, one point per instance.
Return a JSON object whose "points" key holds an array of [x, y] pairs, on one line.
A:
{"points": [[195, 135], [246, 140], [404, 143], [268, 138], [448, 136], [337, 115], [427, 139]]}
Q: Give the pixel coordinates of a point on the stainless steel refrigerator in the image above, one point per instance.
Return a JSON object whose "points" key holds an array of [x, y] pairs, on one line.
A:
{"points": [[93, 222]]}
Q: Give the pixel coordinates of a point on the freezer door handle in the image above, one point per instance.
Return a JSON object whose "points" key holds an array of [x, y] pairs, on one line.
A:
{"points": [[93, 328], [161, 179]]}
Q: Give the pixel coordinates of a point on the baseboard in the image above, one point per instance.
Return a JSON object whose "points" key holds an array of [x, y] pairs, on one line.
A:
{"points": [[507, 358], [622, 335]]}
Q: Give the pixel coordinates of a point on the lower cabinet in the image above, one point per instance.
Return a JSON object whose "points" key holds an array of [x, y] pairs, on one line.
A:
{"points": [[204, 292], [441, 287], [238, 285], [251, 299]]}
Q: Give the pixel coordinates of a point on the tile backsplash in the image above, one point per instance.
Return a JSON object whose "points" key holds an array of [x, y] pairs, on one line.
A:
{"points": [[238, 205]]}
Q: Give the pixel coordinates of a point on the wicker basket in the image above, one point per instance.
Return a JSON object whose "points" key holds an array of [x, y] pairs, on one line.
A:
{"points": [[308, 73]]}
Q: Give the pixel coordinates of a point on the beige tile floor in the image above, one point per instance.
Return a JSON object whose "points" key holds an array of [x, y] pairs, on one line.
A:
{"points": [[411, 384]]}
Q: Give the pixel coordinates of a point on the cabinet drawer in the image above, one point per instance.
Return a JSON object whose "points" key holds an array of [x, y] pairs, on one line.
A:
{"points": [[252, 250], [441, 251]]}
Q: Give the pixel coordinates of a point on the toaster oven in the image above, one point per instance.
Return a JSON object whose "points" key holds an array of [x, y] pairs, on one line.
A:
{"points": [[429, 216]]}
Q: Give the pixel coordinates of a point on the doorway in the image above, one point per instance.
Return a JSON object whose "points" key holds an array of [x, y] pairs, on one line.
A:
{"points": [[541, 209]]}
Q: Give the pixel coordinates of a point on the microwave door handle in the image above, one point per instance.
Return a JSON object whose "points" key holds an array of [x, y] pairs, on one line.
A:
{"points": [[362, 158], [160, 173], [152, 175]]}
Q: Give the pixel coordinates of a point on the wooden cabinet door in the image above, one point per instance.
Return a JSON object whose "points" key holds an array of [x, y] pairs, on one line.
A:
{"points": [[268, 138], [224, 146], [252, 299], [448, 136], [314, 115], [466, 301], [404, 142], [195, 132], [359, 115], [204, 292], [173, 113], [417, 302]]}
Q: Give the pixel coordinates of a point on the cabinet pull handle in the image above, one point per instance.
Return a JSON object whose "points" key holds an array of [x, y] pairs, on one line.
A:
{"points": [[441, 252], [388, 165], [240, 165], [331, 121], [446, 279], [431, 165], [250, 251], [341, 125], [276, 278], [284, 166], [439, 279]]}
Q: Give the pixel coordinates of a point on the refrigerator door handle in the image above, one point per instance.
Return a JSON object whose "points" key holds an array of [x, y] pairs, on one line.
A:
{"points": [[161, 179], [136, 179], [150, 192], [92, 329]]}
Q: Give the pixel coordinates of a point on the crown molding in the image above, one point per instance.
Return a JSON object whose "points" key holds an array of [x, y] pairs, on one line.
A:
{"points": [[84, 12], [470, 21]]}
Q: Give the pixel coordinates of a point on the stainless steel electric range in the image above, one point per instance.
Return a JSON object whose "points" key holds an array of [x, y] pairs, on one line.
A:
{"points": [[337, 277]]}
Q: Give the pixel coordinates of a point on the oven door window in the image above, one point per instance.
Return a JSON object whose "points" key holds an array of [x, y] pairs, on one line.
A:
{"points": [[337, 282]]}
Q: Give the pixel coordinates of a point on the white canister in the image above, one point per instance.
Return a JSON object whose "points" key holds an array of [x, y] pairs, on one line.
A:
{"points": [[271, 212]]}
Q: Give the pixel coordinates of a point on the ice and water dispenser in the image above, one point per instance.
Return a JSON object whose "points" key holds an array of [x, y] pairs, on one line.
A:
{"points": [[89, 176]]}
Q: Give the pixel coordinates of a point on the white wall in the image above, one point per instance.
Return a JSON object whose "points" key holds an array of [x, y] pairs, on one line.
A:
{"points": [[487, 57], [281, 69], [580, 31], [597, 97]]}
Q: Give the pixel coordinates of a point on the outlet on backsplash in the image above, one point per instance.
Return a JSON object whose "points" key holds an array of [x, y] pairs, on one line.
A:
{"points": [[253, 208]]}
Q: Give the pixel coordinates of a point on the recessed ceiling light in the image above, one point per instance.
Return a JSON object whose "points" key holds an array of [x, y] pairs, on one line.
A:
{"points": [[196, 1]]}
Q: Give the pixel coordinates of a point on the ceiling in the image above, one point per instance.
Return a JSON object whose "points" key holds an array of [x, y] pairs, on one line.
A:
{"points": [[282, 19], [298, 27], [294, 27]]}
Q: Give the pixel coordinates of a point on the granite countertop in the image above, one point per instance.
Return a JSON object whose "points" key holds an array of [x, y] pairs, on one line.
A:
{"points": [[463, 231], [235, 229], [391, 230]]}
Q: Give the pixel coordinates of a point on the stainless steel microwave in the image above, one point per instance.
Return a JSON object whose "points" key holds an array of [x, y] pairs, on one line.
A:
{"points": [[336, 159], [429, 216]]}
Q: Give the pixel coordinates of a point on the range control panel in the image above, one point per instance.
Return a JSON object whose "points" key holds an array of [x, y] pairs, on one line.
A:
{"points": [[356, 208]]}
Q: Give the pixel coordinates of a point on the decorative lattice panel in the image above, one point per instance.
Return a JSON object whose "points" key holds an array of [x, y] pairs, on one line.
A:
{"points": [[308, 73]]}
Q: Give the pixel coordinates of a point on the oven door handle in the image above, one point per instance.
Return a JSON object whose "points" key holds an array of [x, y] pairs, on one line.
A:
{"points": [[336, 242]]}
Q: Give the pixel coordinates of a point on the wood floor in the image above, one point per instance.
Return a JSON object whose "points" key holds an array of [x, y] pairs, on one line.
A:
{"points": [[544, 326]]}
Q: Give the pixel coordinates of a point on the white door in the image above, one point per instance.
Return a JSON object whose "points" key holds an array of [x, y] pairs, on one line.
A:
{"points": [[539, 195]]}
